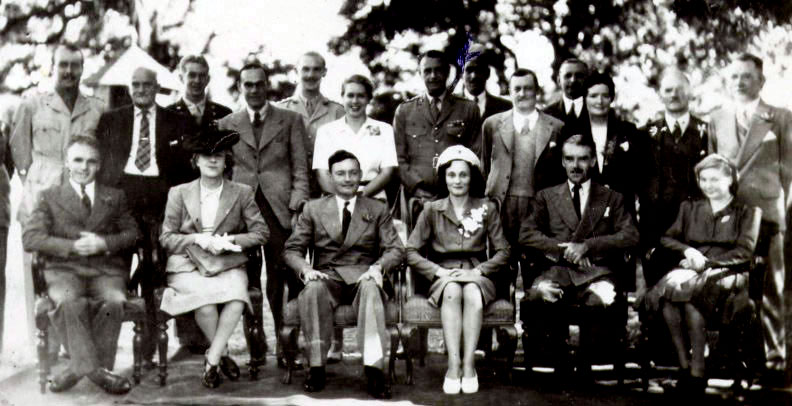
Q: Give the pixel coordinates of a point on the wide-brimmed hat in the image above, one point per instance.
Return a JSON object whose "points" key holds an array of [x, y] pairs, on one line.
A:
{"points": [[455, 152], [210, 140]]}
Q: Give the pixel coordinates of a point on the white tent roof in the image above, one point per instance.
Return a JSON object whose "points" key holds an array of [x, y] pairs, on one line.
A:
{"points": [[121, 72]]}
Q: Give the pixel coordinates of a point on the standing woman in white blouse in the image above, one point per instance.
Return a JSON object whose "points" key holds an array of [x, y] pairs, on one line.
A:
{"points": [[371, 141], [208, 223]]}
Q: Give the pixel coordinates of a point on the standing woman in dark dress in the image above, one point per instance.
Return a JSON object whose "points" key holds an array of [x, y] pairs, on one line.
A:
{"points": [[455, 230], [709, 238]]}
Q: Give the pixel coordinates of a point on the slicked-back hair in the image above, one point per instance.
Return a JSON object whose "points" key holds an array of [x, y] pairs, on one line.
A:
{"points": [[522, 72], [748, 57], [435, 54], [254, 65], [581, 141], [69, 47], [84, 140], [193, 58], [339, 156]]}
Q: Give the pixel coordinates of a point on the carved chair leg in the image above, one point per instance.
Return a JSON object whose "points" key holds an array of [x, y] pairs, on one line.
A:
{"points": [[393, 331], [43, 356], [507, 339], [409, 336], [288, 339], [424, 345], [162, 343], [256, 341], [137, 351]]}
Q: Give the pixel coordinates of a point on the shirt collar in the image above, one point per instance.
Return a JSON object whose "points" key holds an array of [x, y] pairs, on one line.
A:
{"points": [[201, 105], [151, 111], [750, 107], [89, 189], [441, 98], [577, 103], [206, 192], [584, 187], [341, 202], [521, 119], [683, 121], [262, 111]]}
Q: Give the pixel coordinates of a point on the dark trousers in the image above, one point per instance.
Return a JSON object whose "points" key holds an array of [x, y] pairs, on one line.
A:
{"points": [[87, 316], [771, 246], [317, 303], [3, 248], [278, 274]]}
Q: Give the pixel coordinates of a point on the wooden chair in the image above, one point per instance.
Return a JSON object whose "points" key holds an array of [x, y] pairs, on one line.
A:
{"points": [[735, 353], [418, 315], [343, 317], [134, 311], [612, 350]]}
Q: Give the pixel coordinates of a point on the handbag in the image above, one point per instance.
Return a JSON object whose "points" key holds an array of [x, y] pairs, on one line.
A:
{"points": [[209, 264]]}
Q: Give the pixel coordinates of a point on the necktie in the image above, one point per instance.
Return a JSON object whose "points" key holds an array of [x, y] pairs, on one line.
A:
{"points": [[347, 218], [257, 126], [143, 158], [744, 120], [310, 105], [86, 201], [677, 132], [435, 104], [576, 199], [571, 112]]}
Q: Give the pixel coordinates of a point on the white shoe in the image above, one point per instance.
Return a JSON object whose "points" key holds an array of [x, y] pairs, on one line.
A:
{"points": [[451, 386], [470, 385]]}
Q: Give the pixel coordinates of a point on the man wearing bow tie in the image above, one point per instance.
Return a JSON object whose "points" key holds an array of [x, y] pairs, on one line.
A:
{"points": [[571, 75], [355, 246], [757, 137]]}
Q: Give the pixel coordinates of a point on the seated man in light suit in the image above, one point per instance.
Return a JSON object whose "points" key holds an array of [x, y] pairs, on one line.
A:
{"points": [[82, 229], [583, 230], [354, 244]]}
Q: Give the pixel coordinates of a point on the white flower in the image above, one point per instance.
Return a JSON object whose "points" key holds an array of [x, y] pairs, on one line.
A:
{"points": [[701, 128], [552, 144], [653, 130], [471, 223], [625, 146]]}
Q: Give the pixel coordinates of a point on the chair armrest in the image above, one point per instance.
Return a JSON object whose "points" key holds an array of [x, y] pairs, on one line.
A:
{"points": [[37, 267]]}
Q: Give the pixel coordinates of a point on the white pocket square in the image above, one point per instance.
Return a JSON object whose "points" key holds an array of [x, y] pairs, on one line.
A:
{"points": [[769, 137]]}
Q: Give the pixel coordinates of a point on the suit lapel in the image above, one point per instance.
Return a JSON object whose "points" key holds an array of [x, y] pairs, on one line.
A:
{"points": [[241, 123], [759, 128], [100, 208], [542, 134], [272, 127], [329, 219], [81, 106], [192, 201], [447, 107], [71, 202], [565, 206], [357, 225], [425, 105], [228, 196], [592, 213], [506, 131]]}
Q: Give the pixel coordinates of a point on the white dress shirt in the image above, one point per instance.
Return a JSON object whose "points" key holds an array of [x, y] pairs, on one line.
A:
{"points": [[577, 104], [210, 200], [262, 112], [196, 109], [131, 168], [521, 120], [481, 99], [745, 111], [90, 190], [683, 121], [585, 187], [600, 134], [340, 203]]}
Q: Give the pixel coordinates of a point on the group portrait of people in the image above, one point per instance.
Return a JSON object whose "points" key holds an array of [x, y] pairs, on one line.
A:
{"points": [[569, 195]]}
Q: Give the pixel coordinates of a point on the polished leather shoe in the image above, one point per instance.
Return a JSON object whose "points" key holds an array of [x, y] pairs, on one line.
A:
{"points": [[211, 377], [315, 380], [64, 381], [378, 386], [229, 367], [110, 382]]}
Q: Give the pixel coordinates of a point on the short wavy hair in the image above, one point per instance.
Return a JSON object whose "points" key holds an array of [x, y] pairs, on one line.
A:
{"points": [[726, 166], [476, 180]]}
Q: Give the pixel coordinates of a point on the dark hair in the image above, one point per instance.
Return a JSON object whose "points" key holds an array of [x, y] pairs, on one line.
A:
{"points": [[361, 80], [598, 78], [522, 72], [84, 140], [747, 57], [193, 58], [69, 47], [254, 65], [581, 141], [476, 180], [726, 166], [435, 54], [340, 155], [229, 163], [573, 61]]}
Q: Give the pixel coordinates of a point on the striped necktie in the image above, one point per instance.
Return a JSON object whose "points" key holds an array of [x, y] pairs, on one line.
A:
{"points": [[143, 158]]}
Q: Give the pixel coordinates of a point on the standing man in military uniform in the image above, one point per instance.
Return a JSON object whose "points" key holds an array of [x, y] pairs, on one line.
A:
{"points": [[43, 125], [315, 109], [429, 123], [194, 74]]}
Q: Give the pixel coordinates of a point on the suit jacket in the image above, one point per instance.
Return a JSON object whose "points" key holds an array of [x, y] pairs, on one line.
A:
{"points": [[58, 218], [6, 168], [237, 215], [498, 132], [212, 111], [495, 105], [278, 164], [556, 109], [763, 159], [371, 239], [420, 138], [606, 228], [114, 134]]}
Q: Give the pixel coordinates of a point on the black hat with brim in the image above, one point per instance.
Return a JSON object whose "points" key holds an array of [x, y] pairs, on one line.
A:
{"points": [[210, 140]]}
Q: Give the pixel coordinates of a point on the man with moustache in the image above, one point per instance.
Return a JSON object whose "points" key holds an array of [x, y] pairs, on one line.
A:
{"points": [[140, 145], [678, 142], [194, 74], [571, 75], [582, 230], [757, 137], [271, 158], [315, 109], [42, 127], [429, 123]]}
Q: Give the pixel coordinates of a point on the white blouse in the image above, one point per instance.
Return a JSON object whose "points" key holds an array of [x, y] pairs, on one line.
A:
{"points": [[210, 200]]}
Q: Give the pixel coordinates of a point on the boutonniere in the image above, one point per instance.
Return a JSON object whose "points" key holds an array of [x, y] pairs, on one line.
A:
{"points": [[725, 219], [367, 217], [607, 212], [373, 130], [472, 221], [767, 116], [702, 129], [610, 148], [552, 144], [174, 143], [653, 130], [625, 146]]}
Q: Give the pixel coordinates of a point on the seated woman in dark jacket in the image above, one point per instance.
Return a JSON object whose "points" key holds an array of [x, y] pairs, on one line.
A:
{"points": [[456, 229], [710, 237]]}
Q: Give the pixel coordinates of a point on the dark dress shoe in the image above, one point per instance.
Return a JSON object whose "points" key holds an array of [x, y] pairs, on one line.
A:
{"points": [[211, 377], [315, 380], [110, 382], [377, 386], [64, 381], [229, 368]]}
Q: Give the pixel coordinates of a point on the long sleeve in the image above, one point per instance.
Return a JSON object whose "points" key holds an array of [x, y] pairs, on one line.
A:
{"points": [[299, 163], [390, 243], [36, 235], [498, 246], [300, 239], [409, 176], [625, 235], [784, 124], [675, 235], [128, 232], [257, 232], [419, 237], [21, 140], [532, 231], [744, 244], [171, 237]]}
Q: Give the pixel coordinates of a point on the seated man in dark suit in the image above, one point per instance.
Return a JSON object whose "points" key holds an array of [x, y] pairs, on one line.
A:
{"points": [[82, 229], [581, 230], [347, 233]]}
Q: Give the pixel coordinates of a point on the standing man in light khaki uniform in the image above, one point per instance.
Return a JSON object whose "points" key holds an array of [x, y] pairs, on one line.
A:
{"points": [[43, 125]]}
